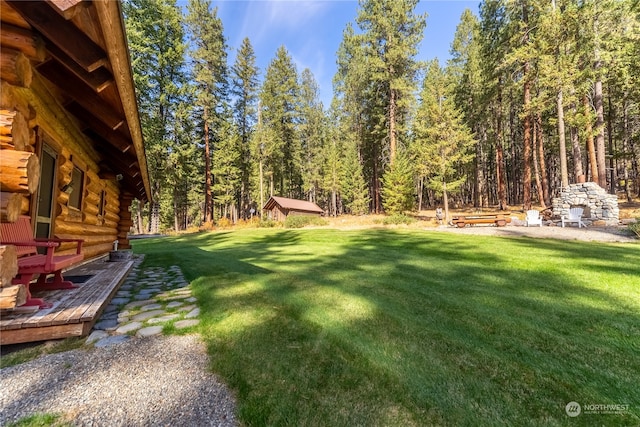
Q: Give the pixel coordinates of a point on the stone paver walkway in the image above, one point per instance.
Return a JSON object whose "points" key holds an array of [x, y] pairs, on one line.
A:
{"points": [[146, 302]]}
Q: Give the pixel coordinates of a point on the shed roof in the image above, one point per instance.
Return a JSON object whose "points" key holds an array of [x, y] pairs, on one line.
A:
{"points": [[293, 204]]}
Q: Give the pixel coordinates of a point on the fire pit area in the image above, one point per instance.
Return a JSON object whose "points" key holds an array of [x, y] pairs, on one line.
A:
{"points": [[600, 207]]}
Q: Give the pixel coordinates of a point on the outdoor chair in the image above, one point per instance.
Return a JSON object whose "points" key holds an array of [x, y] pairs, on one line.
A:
{"points": [[533, 218], [575, 215]]}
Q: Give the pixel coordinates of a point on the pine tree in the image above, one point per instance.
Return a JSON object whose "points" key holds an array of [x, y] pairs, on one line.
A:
{"points": [[494, 33], [210, 74], [356, 116], [279, 99], [465, 67], [397, 186], [312, 129], [391, 35], [245, 87], [353, 187], [226, 167], [443, 141], [156, 42]]}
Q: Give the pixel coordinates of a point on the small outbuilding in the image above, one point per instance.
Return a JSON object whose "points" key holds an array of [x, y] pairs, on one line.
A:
{"points": [[279, 208]]}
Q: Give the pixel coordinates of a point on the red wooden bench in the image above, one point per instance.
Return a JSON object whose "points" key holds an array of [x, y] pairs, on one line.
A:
{"points": [[30, 262]]}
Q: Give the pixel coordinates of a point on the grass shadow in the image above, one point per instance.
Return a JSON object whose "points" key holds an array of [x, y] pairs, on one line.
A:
{"points": [[380, 327]]}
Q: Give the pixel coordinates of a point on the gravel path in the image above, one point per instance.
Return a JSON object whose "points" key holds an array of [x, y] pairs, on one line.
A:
{"points": [[595, 234], [154, 381]]}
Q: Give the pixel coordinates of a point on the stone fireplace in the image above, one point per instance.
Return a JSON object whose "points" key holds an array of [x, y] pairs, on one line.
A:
{"points": [[600, 207]]}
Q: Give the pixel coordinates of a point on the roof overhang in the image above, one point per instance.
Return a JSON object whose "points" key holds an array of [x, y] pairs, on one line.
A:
{"points": [[86, 59]]}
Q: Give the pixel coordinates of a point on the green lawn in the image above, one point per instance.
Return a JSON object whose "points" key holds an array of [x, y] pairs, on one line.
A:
{"points": [[407, 327]]}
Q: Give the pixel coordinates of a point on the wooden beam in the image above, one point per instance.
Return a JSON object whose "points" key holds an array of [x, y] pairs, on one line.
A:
{"points": [[10, 206], [16, 336], [120, 163], [22, 135], [125, 164], [81, 93], [19, 171], [11, 16], [59, 124], [6, 120], [8, 264], [97, 127], [15, 67], [106, 173], [98, 80], [110, 15], [61, 32], [13, 296], [26, 41], [67, 8]]}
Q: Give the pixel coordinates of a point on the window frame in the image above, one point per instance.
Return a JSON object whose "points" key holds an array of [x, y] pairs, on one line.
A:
{"points": [[71, 203]]}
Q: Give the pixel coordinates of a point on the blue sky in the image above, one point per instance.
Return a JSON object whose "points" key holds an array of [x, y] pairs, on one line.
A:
{"points": [[311, 31]]}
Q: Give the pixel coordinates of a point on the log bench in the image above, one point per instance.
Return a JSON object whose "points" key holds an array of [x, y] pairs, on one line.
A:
{"points": [[30, 262], [463, 221]]}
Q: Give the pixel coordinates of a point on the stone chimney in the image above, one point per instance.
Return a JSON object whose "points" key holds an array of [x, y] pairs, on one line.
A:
{"points": [[599, 206]]}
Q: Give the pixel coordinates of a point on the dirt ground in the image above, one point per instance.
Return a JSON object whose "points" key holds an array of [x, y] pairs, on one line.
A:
{"points": [[426, 220]]}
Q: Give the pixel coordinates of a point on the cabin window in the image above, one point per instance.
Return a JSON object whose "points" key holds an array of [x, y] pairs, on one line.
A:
{"points": [[76, 187]]}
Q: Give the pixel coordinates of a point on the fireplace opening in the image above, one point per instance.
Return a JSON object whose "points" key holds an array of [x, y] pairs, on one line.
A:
{"points": [[586, 210]]}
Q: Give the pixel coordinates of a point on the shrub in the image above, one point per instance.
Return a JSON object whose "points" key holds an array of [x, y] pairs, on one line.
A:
{"points": [[248, 223], [398, 219], [635, 227], [269, 223], [299, 221], [207, 226], [224, 222]]}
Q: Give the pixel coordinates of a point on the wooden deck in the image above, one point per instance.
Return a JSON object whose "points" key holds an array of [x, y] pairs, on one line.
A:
{"points": [[74, 311]]}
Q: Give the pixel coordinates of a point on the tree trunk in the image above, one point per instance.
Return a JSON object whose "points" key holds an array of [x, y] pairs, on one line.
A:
{"points": [[261, 186], [139, 217], [376, 184], [578, 171], [334, 202], [526, 149], [564, 173], [536, 168], [208, 209], [593, 164], [612, 169], [500, 163], [176, 212], [392, 126], [445, 202], [154, 217], [626, 149], [600, 145], [546, 197]]}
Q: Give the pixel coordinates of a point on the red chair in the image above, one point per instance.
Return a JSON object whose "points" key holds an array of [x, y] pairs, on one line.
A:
{"points": [[30, 262]]}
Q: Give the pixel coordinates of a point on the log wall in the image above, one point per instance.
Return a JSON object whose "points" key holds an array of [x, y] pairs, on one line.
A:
{"points": [[30, 115]]}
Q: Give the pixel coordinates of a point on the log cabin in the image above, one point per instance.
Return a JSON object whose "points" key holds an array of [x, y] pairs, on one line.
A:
{"points": [[71, 146]]}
